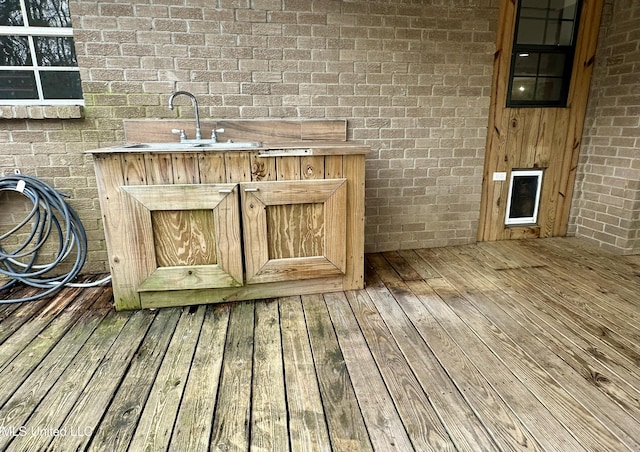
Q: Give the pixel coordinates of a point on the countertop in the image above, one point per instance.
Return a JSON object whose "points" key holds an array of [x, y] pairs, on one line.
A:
{"points": [[294, 148]]}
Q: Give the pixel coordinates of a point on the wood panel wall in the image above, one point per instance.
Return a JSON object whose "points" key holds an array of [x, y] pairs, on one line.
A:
{"points": [[264, 130], [535, 138]]}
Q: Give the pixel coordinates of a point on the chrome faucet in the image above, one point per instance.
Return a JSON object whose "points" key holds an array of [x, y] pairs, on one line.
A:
{"points": [[194, 101]]}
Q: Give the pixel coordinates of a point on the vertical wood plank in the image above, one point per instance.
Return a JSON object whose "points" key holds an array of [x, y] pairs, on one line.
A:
{"points": [[254, 221], [288, 168], [344, 419], [232, 414], [498, 125], [549, 198], [121, 418], [194, 421], [109, 178], [307, 423], [185, 168], [159, 168], [238, 166], [155, 426], [384, 426], [335, 240], [583, 65], [211, 167], [269, 430], [262, 168], [227, 241], [333, 167], [354, 173], [312, 167], [138, 255]]}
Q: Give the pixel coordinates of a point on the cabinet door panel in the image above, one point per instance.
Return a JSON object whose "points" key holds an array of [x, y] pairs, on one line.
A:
{"points": [[195, 231], [294, 229]]}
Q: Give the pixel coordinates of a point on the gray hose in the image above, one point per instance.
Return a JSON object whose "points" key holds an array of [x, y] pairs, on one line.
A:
{"points": [[50, 215]]}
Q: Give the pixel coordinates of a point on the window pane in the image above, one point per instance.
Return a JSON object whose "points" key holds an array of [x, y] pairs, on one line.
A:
{"points": [[566, 8], [10, 13], [61, 84], [48, 13], [523, 196], [566, 33], [526, 64], [55, 51], [14, 51], [18, 85], [540, 5], [552, 64], [549, 89], [552, 34], [531, 31], [534, 11], [523, 88], [559, 33]]}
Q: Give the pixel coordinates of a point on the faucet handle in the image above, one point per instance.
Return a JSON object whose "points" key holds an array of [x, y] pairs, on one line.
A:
{"points": [[183, 135], [214, 133]]}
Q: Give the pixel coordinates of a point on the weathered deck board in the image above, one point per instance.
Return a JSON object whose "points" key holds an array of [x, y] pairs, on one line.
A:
{"points": [[307, 425], [344, 420], [52, 407], [155, 425], [412, 400], [231, 419], [193, 425], [463, 426], [519, 345], [535, 368], [593, 386], [456, 348], [100, 389], [268, 406], [121, 416], [381, 418]]}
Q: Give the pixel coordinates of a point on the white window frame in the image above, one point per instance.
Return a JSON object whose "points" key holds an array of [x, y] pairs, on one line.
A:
{"points": [[524, 220], [30, 32]]}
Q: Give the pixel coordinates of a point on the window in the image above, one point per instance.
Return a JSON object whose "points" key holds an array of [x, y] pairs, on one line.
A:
{"points": [[543, 50], [38, 63], [524, 197]]}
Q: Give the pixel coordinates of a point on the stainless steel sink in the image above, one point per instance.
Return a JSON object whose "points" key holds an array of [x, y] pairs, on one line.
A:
{"points": [[200, 144]]}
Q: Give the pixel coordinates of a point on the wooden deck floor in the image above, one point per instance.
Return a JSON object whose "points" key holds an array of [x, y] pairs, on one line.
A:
{"points": [[528, 345]]}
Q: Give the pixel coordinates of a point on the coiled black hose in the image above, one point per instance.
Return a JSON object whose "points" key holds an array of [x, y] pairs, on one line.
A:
{"points": [[50, 215]]}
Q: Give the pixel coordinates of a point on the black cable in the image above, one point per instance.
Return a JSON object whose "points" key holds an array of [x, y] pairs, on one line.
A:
{"points": [[50, 215]]}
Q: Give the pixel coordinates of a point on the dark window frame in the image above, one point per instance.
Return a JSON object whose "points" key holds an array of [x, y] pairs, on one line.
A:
{"points": [[568, 51]]}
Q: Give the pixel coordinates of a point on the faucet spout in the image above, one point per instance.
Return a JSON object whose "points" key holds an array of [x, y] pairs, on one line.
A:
{"points": [[194, 101]]}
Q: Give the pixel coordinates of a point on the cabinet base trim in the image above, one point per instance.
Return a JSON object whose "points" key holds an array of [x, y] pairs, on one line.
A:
{"points": [[164, 299]]}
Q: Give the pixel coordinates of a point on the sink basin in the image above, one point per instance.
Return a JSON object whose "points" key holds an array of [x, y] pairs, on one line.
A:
{"points": [[161, 146], [195, 145]]}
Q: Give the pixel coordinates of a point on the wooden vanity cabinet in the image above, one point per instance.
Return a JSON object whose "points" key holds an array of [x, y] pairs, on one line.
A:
{"points": [[199, 227]]}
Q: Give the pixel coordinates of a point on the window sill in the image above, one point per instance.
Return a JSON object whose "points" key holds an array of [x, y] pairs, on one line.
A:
{"points": [[41, 112]]}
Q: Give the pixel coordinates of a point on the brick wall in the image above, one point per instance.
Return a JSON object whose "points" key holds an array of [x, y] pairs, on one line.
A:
{"points": [[413, 79], [606, 207]]}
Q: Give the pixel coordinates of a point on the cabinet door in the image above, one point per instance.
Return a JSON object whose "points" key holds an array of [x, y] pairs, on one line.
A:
{"points": [[193, 232], [294, 229]]}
